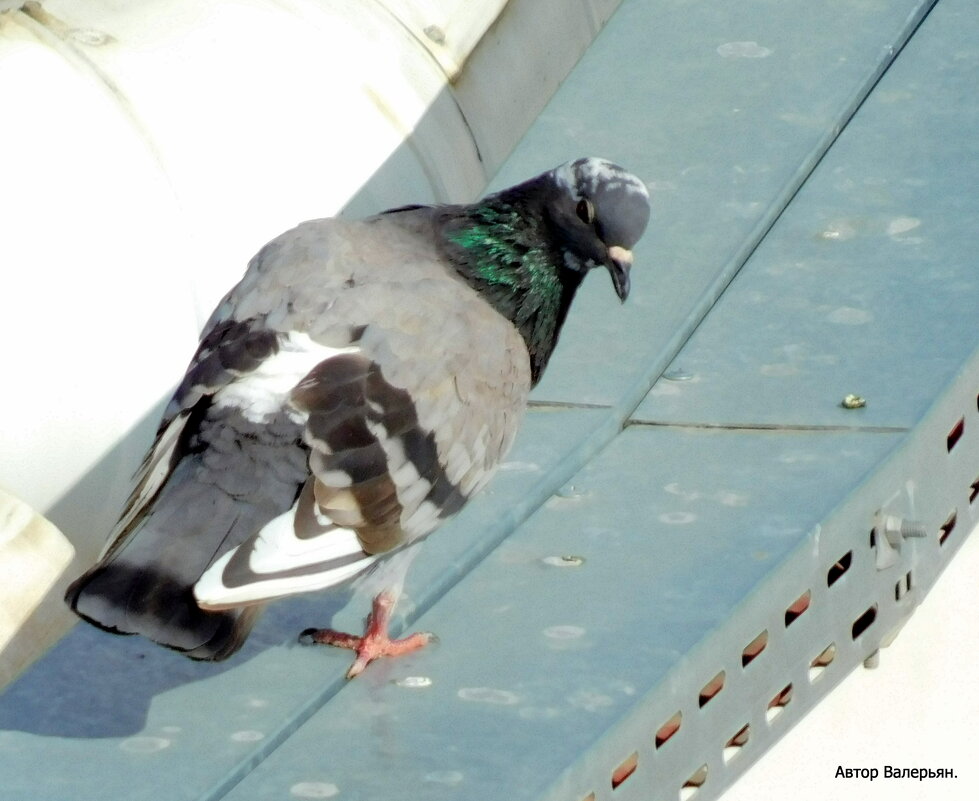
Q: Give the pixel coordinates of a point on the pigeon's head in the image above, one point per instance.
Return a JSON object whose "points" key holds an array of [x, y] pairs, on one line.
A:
{"points": [[600, 211]]}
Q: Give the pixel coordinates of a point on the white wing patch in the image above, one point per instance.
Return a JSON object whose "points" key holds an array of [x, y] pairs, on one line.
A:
{"points": [[277, 547], [265, 390], [278, 563]]}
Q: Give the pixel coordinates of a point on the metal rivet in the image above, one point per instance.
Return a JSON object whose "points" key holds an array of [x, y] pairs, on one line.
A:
{"points": [[853, 402], [435, 33], [564, 561], [89, 36]]}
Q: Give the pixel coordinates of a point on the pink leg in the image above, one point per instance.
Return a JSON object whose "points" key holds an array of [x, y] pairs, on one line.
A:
{"points": [[375, 643]]}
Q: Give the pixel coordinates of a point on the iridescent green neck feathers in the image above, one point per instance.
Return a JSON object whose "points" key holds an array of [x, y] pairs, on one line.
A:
{"points": [[499, 247]]}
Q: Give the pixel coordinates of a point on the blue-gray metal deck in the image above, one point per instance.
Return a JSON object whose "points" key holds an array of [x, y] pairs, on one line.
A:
{"points": [[688, 488]]}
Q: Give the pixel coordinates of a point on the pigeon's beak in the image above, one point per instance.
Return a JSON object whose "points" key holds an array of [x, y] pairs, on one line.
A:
{"points": [[619, 262]]}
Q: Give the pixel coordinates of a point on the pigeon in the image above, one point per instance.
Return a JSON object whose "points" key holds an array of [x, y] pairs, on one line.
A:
{"points": [[361, 382]]}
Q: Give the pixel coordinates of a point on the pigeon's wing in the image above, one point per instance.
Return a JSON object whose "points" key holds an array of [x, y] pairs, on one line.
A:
{"points": [[240, 346], [228, 457], [402, 428], [228, 350]]}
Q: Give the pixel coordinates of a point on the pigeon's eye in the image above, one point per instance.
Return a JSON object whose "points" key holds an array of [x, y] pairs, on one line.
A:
{"points": [[585, 211]]}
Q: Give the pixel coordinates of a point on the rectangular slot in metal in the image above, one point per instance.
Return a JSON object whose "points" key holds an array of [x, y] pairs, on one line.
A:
{"points": [[733, 746], [625, 769], [797, 607], [819, 664], [947, 527], [839, 568], [864, 622], [955, 434], [668, 729], [711, 688], [903, 586], [753, 648], [694, 783], [778, 703]]}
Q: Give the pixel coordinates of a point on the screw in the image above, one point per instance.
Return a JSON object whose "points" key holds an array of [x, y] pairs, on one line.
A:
{"points": [[906, 528], [435, 33]]}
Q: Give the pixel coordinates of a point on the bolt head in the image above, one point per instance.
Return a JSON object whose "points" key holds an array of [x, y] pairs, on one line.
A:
{"points": [[435, 33]]}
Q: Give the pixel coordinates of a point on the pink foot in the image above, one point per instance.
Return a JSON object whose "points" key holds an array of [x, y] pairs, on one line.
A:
{"points": [[375, 643]]}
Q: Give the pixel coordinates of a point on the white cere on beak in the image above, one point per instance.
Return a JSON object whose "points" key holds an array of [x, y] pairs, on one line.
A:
{"points": [[620, 255]]}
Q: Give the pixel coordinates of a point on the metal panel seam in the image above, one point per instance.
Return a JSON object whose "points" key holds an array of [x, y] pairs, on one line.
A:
{"points": [[631, 399], [790, 427], [448, 81]]}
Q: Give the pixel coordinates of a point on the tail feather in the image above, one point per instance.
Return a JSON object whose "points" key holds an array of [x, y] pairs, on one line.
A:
{"points": [[145, 585], [301, 550], [121, 600]]}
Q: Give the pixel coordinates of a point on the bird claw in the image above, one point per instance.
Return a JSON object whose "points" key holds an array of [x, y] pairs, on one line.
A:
{"points": [[375, 643]]}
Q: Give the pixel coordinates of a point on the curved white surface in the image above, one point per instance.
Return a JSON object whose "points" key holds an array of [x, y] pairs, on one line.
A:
{"points": [[155, 160]]}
